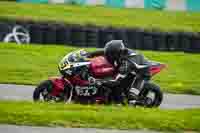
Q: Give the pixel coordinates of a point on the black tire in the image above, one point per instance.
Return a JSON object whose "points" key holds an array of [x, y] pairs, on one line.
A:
{"points": [[45, 85], [156, 90]]}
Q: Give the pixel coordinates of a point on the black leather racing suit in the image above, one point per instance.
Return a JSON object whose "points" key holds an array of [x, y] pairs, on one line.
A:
{"points": [[123, 66]]}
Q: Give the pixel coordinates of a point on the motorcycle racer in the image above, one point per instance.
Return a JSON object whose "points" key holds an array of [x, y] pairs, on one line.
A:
{"points": [[114, 75], [116, 53]]}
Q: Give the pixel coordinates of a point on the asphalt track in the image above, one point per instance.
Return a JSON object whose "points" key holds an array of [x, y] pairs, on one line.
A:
{"points": [[24, 92], [28, 129], [170, 101]]}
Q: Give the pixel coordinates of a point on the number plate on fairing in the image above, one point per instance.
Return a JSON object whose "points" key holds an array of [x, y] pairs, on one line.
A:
{"points": [[85, 90]]}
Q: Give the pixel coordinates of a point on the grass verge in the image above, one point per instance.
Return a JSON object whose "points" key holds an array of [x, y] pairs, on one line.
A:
{"points": [[163, 20], [30, 64], [43, 114]]}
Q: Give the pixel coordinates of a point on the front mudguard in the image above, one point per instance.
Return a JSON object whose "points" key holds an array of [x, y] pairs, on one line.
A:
{"points": [[60, 86]]}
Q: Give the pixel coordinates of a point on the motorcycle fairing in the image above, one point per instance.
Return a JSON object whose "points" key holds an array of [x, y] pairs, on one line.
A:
{"points": [[101, 68], [58, 85]]}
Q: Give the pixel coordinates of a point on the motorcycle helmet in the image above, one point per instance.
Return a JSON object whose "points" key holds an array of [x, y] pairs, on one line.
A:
{"points": [[113, 50]]}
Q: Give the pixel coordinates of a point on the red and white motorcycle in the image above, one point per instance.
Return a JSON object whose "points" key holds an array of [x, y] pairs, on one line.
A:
{"points": [[89, 83]]}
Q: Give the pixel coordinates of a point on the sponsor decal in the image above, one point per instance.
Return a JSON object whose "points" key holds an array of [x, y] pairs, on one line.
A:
{"points": [[19, 34]]}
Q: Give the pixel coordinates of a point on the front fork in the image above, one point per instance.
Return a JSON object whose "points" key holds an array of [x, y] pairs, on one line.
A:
{"points": [[135, 90], [137, 85]]}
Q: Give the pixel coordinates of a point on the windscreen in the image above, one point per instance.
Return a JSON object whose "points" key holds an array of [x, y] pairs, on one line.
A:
{"points": [[77, 56]]}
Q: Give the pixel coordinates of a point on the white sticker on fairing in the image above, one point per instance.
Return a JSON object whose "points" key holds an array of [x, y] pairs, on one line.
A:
{"points": [[81, 64], [135, 91]]}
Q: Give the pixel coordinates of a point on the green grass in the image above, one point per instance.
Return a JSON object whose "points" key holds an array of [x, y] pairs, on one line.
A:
{"points": [[30, 64], [148, 19], [43, 114]]}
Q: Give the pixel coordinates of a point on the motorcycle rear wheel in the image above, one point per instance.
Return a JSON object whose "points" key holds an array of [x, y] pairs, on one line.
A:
{"points": [[156, 91]]}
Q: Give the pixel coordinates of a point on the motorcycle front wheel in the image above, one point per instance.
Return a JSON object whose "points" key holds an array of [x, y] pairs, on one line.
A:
{"points": [[42, 90], [151, 95]]}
